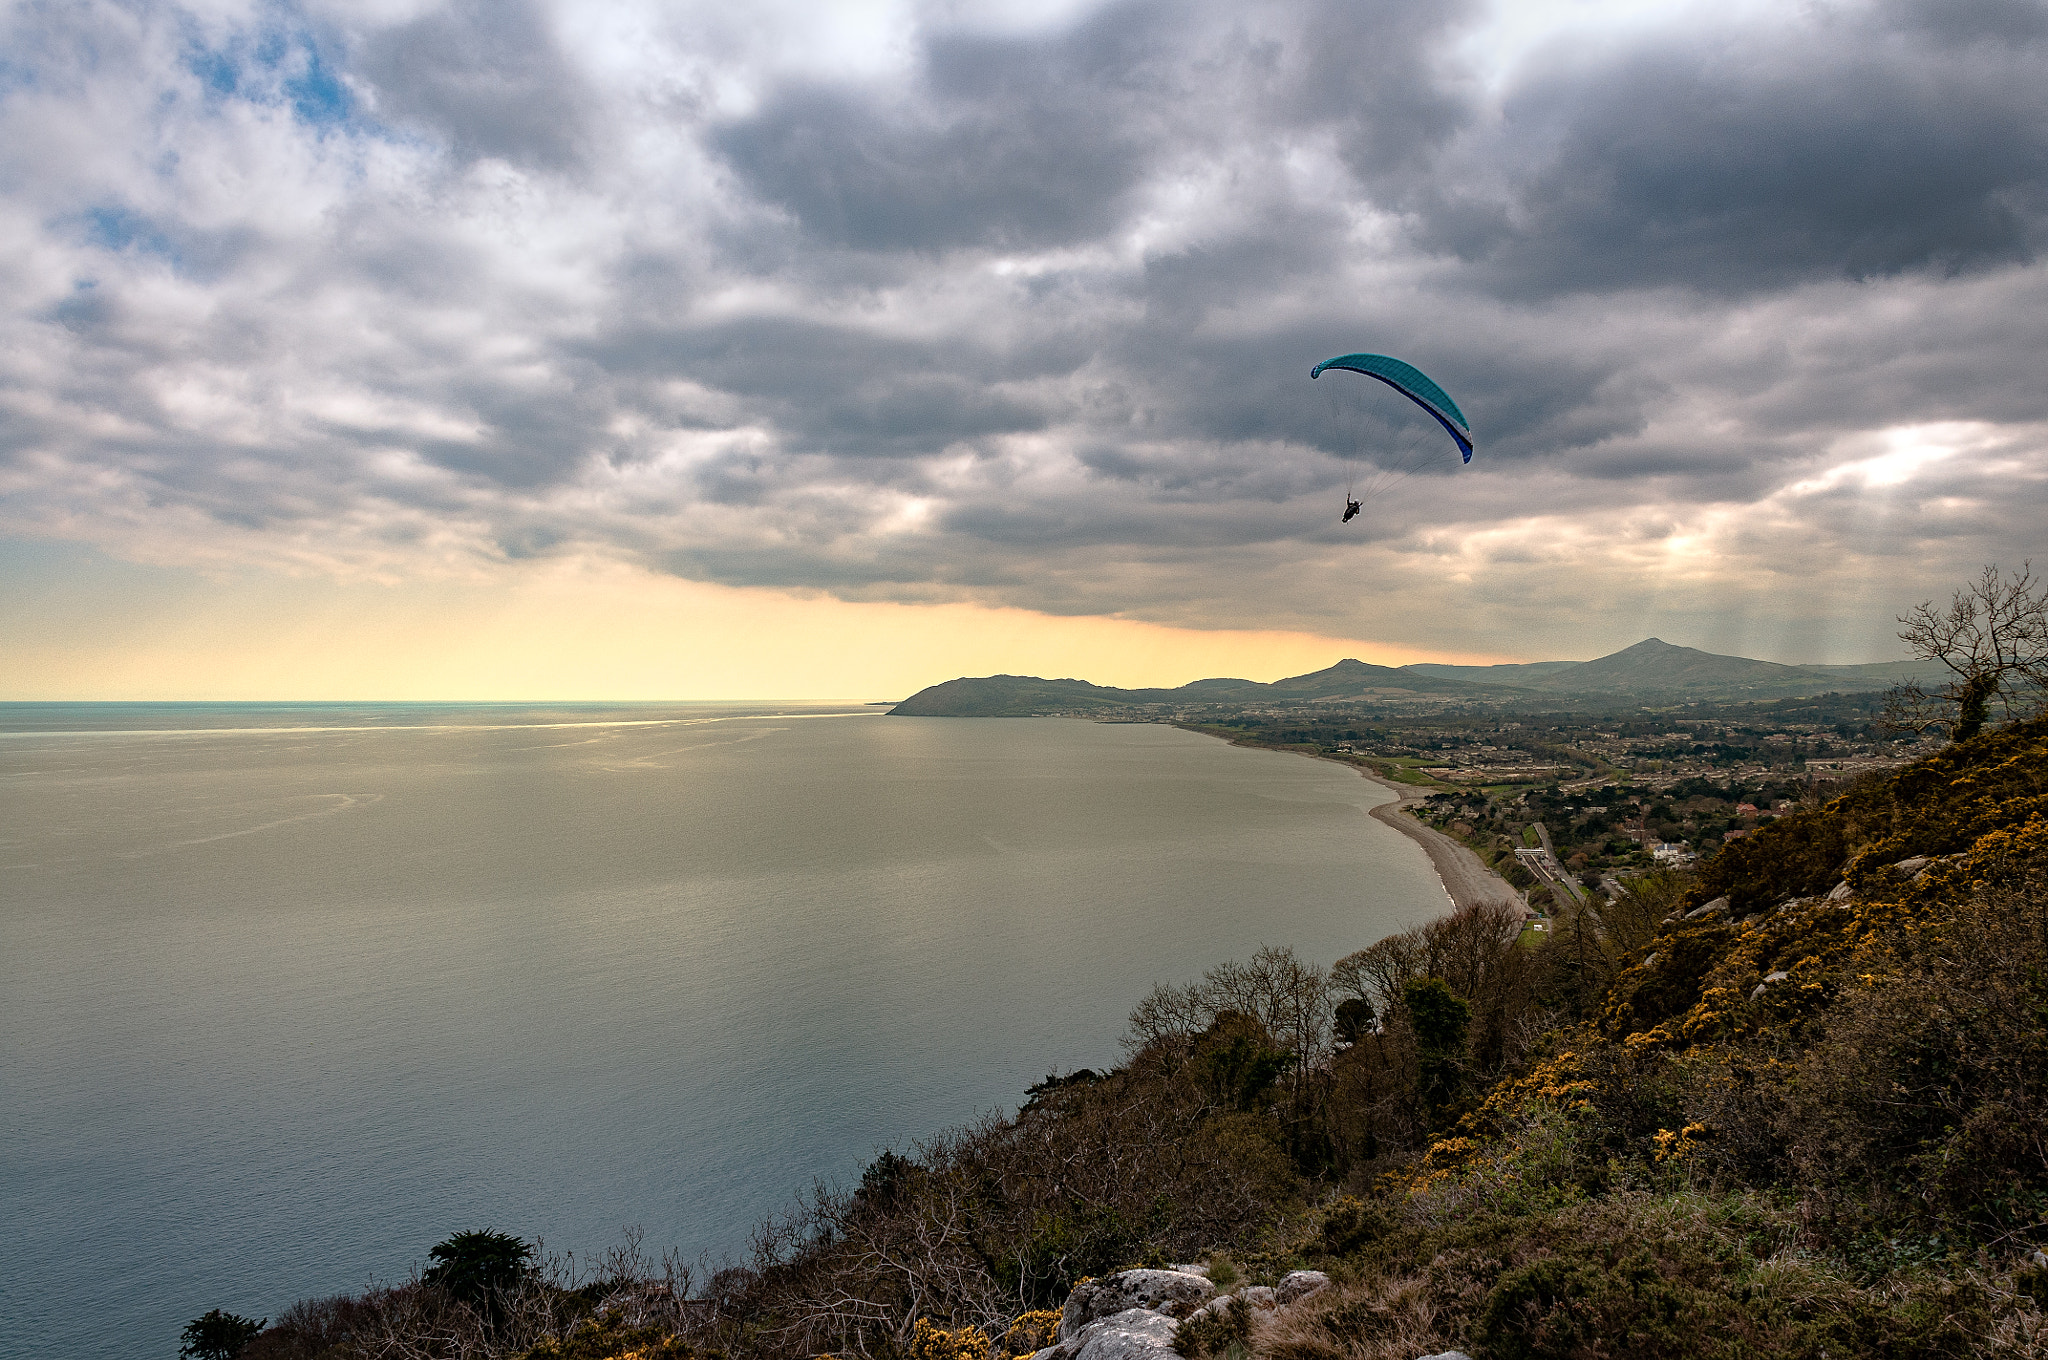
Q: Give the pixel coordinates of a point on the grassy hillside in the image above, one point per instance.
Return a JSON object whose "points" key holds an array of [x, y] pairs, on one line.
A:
{"points": [[1795, 1105], [1017, 696]]}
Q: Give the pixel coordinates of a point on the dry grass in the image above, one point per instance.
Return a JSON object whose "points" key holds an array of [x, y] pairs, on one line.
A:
{"points": [[1386, 1319]]}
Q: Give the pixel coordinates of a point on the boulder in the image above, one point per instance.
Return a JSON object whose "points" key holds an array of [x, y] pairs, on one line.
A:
{"points": [[1173, 1293], [1719, 904], [1446, 1355], [1134, 1334], [1769, 979], [1841, 891], [1259, 1296], [1911, 867], [1298, 1284]]}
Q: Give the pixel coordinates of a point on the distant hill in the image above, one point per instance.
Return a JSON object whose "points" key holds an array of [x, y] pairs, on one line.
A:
{"points": [[1885, 674], [1652, 668], [1521, 673], [1658, 668], [1012, 696]]}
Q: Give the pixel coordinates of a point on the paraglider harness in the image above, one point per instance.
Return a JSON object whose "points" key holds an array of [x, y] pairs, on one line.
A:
{"points": [[1350, 509]]}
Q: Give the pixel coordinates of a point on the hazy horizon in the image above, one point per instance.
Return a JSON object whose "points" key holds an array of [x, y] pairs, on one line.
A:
{"points": [[602, 700]]}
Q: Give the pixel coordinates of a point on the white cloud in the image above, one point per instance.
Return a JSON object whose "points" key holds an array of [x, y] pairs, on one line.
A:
{"points": [[931, 302]]}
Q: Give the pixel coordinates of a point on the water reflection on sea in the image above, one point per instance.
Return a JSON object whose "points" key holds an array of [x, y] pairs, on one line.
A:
{"points": [[292, 992]]}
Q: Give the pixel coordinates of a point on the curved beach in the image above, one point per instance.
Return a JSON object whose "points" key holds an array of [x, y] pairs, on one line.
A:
{"points": [[1465, 876]]}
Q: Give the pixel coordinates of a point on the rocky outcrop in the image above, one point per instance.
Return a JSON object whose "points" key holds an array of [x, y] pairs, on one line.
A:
{"points": [[1298, 1284], [1133, 1314], [1174, 1293], [1134, 1334], [1770, 980]]}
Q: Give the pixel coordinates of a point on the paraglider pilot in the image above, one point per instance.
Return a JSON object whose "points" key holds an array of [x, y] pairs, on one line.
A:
{"points": [[1350, 509]]}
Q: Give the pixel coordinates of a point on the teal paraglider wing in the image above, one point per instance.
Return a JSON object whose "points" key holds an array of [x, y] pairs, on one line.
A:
{"points": [[1412, 383]]}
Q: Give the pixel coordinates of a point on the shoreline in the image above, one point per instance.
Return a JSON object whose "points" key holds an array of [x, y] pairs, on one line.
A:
{"points": [[1464, 876], [1466, 879]]}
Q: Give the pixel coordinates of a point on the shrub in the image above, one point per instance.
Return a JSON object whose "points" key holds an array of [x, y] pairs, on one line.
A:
{"points": [[932, 1342], [1564, 1308], [1216, 1333], [217, 1335], [608, 1337], [479, 1268], [1034, 1331], [1349, 1224]]}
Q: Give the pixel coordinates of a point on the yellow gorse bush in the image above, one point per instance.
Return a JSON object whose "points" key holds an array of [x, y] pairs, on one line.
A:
{"points": [[932, 1342]]}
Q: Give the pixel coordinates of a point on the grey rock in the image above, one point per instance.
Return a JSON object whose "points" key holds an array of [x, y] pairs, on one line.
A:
{"points": [[1446, 1355], [1911, 867], [1719, 904], [1298, 1284], [1174, 1293], [1201, 1269], [1259, 1296], [1841, 891], [1134, 1334], [1650, 960], [1769, 980]]}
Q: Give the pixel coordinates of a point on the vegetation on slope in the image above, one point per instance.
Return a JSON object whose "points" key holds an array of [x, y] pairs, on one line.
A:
{"points": [[1793, 1105]]}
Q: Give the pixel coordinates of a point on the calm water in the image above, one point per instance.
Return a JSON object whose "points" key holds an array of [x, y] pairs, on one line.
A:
{"points": [[293, 992]]}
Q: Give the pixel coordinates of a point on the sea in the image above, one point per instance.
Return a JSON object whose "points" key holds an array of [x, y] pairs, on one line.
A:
{"points": [[291, 992]]}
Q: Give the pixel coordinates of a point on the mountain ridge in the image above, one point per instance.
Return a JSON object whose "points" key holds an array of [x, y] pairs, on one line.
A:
{"points": [[1650, 668]]}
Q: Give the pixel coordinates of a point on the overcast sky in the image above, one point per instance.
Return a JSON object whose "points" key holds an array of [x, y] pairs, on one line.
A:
{"points": [[1006, 312]]}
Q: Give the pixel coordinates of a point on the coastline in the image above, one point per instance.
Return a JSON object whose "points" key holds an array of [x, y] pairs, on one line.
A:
{"points": [[1465, 877]]}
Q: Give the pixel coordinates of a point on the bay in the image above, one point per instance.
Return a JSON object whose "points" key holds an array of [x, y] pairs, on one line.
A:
{"points": [[292, 992]]}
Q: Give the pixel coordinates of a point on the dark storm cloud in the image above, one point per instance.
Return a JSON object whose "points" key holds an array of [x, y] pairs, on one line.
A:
{"points": [[488, 77], [1022, 143], [1735, 161], [1011, 143], [880, 180], [842, 389]]}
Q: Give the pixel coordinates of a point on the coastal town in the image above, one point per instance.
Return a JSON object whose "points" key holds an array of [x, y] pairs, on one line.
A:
{"points": [[1562, 805]]}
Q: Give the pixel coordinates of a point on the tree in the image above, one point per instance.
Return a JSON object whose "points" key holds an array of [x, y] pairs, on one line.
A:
{"points": [[1439, 1019], [480, 1268], [1993, 639], [1355, 1020], [218, 1335]]}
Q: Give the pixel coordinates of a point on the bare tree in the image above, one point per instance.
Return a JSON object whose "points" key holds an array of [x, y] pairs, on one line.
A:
{"points": [[1993, 638]]}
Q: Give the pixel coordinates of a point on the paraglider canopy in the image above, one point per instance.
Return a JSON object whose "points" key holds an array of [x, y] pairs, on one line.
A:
{"points": [[1412, 383]]}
